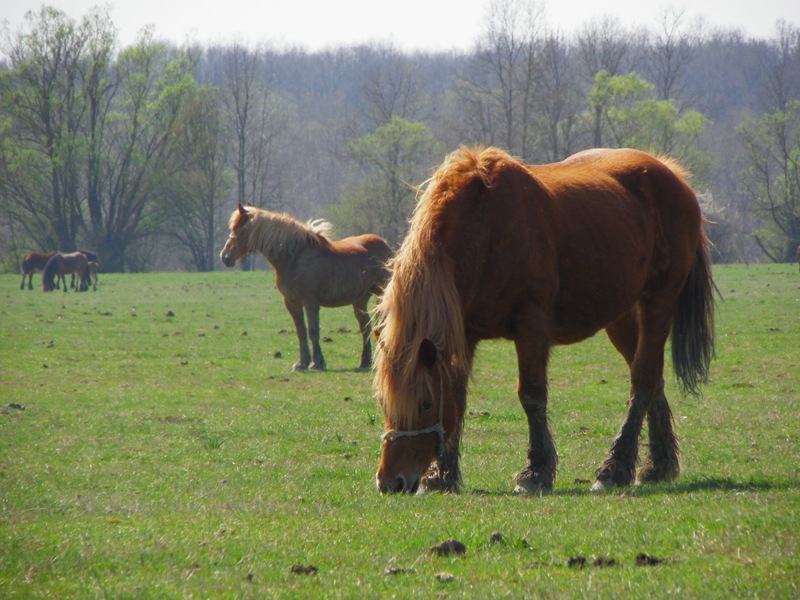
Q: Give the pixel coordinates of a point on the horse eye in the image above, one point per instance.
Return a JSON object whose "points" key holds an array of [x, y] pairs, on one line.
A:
{"points": [[426, 405]]}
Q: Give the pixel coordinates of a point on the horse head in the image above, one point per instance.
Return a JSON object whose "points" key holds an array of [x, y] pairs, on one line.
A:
{"points": [[421, 414], [236, 247]]}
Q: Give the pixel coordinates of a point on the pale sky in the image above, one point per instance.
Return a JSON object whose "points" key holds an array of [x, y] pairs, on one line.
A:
{"points": [[406, 24]]}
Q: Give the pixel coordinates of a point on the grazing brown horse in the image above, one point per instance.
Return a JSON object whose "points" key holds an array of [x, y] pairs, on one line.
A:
{"points": [[312, 271], [35, 261], [61, 265], [541, 255]]}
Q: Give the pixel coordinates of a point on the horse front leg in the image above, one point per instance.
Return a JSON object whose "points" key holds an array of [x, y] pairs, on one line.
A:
{"points": [[296, 311], [362, 316], [444, 474], [312, 313], [539, 473]]}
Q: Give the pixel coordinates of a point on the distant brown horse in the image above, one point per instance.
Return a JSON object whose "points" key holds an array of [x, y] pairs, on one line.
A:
{"points": [[92, 269], [541, 255], [312, 271], [61, 265], [35, 261]]}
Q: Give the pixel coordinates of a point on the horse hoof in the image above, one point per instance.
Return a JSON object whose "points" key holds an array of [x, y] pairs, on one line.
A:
{"points": [[602, 485], [531, 484], [536, 490], [317, 366], [299, 367], [437, 484], [650, 473]]}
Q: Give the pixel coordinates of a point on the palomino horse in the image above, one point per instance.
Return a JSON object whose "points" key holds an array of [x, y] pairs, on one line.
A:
{"points": [[35, 261], [541, 255], [61, 265], [90, 257], [312, 271]]}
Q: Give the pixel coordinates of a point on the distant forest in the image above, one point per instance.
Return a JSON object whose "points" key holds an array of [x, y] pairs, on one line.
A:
{"points": [[142, 152]]}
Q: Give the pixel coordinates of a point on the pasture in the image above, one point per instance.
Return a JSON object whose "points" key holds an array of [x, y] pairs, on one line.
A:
{"points": [[154, 443]]}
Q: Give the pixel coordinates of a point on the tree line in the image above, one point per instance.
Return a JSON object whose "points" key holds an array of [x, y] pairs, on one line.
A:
{"points": [[141, 153]]}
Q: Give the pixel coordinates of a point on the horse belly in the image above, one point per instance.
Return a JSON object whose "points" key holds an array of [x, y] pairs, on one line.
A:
{"points": [[599, 284]]}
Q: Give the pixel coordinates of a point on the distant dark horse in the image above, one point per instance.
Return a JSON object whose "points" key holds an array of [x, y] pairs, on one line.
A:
{"points": [[541, 255], [61, 265], [312, 271], [35, 261]]}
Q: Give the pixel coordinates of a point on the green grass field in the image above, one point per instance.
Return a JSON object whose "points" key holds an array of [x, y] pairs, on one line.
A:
{"points": [[166, 450]]}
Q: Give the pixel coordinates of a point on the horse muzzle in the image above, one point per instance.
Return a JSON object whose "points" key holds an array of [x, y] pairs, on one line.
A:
{"points": [[227, 258], [398, 484]]}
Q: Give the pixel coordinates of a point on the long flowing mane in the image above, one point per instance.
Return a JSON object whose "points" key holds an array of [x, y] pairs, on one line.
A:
{"points": [[276, 230], [421, 300]]}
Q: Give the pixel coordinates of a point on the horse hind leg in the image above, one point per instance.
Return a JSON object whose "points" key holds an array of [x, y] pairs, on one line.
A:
{"points": [[362, 316], [645, 356], [663, 459]]}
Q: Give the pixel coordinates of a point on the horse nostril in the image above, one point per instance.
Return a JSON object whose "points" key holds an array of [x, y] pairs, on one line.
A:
{"points": [[398, 485]]}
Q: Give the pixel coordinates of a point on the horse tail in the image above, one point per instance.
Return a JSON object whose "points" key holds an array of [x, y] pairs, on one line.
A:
{"points": [[693, 324]]}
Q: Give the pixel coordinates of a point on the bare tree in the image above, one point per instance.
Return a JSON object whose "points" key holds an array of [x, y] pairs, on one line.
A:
{"points": [[559, 101], [672, 48], [256, 119], [392, 89], [192, 199], [604, 45], [783, 71], [501, 83]]}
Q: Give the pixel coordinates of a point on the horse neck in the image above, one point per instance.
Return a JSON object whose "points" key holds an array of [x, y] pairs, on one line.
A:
{"points": [[278, 238]]}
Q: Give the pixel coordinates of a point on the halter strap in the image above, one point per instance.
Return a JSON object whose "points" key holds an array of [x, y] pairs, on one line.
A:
{"points": [[436, 428], [235, 237]]}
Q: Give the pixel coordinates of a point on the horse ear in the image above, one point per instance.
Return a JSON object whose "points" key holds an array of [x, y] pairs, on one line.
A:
{"points": [[427, 353], [242, 210]]}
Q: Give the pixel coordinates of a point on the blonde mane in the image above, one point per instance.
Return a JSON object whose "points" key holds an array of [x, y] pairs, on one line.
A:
{"points": [[421, 300], [269, 232]]}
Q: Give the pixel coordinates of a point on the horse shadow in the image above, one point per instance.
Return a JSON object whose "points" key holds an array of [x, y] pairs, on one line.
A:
{"points": [[339, 370], [712, 484]]}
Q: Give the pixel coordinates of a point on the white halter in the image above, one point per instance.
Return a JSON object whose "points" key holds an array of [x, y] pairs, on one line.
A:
{"points": [[437, 428]]}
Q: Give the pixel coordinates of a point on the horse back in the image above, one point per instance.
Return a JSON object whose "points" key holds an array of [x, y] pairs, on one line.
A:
{"points": [[35, 261], [336, 273], [577, 242]]}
